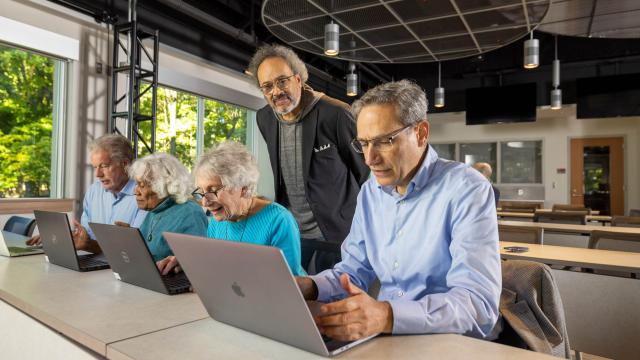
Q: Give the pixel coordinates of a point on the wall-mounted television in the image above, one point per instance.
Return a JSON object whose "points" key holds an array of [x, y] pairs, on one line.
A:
{"points": [[608, 96], [501, 104]]}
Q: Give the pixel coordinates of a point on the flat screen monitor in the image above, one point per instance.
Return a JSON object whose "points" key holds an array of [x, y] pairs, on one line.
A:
{"points": [[502, 104], [608, 96]]}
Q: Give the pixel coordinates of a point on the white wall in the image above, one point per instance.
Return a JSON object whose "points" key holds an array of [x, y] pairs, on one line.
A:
{"points": [[555, 129], [88, 92]]}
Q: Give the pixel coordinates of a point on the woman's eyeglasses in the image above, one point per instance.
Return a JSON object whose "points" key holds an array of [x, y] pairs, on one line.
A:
{"points": [[209, 195]]}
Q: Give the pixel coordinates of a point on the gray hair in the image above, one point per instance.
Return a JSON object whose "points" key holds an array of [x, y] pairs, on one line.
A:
{"points": [[165, 174], [274, 50], [118, 147], [409, 99], [233, 163]]}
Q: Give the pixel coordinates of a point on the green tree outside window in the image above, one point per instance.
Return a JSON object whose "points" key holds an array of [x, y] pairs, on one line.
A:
{"points": [[26, 122]]}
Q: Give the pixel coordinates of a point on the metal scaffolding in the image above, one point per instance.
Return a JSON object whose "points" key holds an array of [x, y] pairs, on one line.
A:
{"points": [[128, 38]]}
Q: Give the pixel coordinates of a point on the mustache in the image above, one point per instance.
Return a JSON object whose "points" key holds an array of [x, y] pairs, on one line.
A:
{"points": [[281, 96]]}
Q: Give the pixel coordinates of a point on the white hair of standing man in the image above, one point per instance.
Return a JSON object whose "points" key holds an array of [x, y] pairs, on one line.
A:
{"points": [[233, 163], [166, 175]]}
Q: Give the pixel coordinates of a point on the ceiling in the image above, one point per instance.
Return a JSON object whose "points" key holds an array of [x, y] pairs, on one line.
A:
{"points": [[227, 32], [594, 18], [404, 31]]}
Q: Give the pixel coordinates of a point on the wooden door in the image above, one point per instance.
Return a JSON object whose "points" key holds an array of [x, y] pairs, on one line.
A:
{"points": [[616, 170]]}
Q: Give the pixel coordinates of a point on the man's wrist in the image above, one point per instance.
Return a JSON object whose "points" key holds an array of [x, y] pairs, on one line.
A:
{"points": [[388, 327]]}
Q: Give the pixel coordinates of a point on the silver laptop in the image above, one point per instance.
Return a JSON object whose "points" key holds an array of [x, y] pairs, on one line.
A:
{"points": [[12, 244], [58, 244], [132, 262], [251, 287]]}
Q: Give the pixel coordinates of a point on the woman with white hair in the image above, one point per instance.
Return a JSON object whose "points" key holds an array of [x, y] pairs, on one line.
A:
{"points": [[162, 189], [227, 177]]}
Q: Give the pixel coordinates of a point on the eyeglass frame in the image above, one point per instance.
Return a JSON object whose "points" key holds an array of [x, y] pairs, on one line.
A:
{"points": [[377, 140], [273, 84], [204, 195]]}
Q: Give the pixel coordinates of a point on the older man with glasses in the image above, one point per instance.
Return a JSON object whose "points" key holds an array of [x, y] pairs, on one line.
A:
{"points": [[424, 226], [317, 175], [110, 198]]}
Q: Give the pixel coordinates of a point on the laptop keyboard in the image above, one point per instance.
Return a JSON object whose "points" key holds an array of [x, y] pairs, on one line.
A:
{"points": [[20, 250], [176, 283], [90, 262]]}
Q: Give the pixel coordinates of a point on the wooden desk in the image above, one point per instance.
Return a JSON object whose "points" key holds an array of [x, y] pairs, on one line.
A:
{"points": [[508, 214], [50, 312], [571, 228], [91, 309], [569, 256], [209, 339], [601, 311]]}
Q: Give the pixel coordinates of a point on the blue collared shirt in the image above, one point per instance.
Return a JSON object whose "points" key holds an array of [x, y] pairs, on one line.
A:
{"points": [[434, 249], [102, 206]]}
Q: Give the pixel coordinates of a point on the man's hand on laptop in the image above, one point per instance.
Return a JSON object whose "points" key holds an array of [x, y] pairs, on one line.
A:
{"points": [[82, 240], [121, 223], [167, 264], [34, 241], [354, 317]]}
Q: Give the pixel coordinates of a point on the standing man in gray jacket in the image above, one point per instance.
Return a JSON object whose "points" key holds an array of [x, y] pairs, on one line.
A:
{"points": [[317, 175]]}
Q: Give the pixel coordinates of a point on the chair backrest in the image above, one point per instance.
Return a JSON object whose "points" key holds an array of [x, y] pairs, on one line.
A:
{"points": [[20, 225], [531, 305], [561, 217], [634, 212], [569, 207], [523, 234], [519, 206], [627, 221], [609, 240], [508, 208]]}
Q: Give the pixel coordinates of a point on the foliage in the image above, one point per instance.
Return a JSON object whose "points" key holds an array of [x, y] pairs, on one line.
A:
{"points": [[26, 95], [177, 122]]}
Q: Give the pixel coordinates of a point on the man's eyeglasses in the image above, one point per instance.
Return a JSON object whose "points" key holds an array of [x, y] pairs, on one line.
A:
{"points": [[282, 83], [381, 143], [209, 195]]}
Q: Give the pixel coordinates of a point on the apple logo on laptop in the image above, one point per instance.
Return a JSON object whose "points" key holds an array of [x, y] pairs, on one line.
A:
{"points": [[237, 289], [125, 256], [54, 239]]}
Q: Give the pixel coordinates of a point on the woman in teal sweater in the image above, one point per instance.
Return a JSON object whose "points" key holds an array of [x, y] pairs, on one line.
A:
{"points": [[227, 177], [162, 189]]}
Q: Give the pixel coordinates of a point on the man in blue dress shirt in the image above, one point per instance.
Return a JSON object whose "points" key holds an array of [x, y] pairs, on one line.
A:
{"points": [[424, 226], [110, 198]]}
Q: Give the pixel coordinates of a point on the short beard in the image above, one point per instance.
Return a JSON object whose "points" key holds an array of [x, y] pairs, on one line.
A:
{"points": [[290, 108]]}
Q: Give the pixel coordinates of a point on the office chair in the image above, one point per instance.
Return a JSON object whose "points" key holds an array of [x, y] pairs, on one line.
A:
{"points": [[634, 212], [20, 225], [626, 221], [561, 217], [523, 234], [609, 240], [566, 207]]}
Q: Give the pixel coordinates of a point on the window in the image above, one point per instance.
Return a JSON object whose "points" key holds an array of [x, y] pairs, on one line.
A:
{"points": [[521, 162], [177, 123], [480, 152], [445, 151], [224, 121], [30, 106]]}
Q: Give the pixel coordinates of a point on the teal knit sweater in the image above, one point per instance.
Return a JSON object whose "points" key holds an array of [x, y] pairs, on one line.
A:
{"points": [[273, 225], [185, 218]]}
